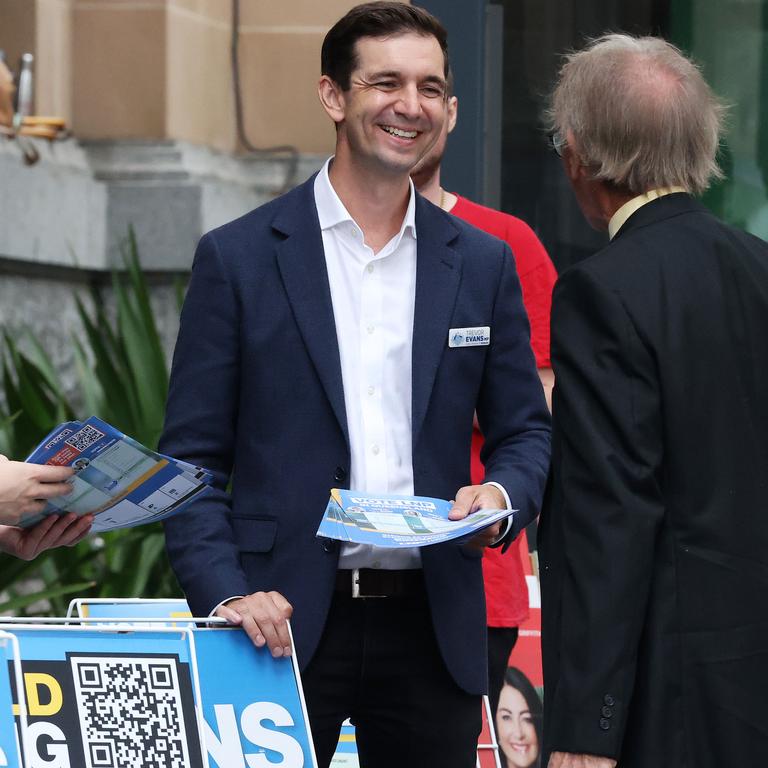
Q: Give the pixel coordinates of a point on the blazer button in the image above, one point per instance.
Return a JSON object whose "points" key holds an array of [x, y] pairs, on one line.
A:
{"points": [[605, 724], [340, 475], [608, 700], [606, 712], [329, 545]]}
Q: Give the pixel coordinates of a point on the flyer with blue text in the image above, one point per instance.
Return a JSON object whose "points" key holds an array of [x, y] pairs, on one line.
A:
{"points": [[392, 521], [117, 479]]}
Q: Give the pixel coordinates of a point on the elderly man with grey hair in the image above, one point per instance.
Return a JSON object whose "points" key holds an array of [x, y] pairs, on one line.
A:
{"points": [[654, 537]]}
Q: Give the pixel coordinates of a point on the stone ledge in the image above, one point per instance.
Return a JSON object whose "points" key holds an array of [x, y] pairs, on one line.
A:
{"points": [[75, 206]]}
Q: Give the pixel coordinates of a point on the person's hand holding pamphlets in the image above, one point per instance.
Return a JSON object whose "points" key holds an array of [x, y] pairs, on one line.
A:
{"points": [[387, 520], [117, 480]]}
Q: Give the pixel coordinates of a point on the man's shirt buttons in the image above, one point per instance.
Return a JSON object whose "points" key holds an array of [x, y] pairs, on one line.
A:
{"points": [[608, 700], [605, 724]]}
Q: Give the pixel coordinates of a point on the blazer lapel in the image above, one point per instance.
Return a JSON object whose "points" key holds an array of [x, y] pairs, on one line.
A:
{"points": [[301, 261], [438, 273]]}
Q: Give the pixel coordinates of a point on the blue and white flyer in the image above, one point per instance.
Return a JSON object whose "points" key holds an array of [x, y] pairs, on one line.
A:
{"points": [[118, 480], [391, 521]]}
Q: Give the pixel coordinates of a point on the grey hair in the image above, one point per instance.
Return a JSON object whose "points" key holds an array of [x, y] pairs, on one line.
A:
{"points": [[640, 113]]}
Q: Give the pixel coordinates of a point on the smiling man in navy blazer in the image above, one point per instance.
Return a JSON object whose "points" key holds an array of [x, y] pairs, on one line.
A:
{"points": [[314, 352]]}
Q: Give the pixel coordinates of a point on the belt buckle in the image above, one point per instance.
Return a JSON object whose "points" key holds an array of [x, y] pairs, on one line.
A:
{"points": [[356, 586]]}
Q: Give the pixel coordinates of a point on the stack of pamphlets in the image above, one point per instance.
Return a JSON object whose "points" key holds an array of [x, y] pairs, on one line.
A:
{"points": [[386, 520], [118, 480]]}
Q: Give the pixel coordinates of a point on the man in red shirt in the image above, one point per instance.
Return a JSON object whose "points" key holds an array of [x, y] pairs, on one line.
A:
{"points": [[506, 592]]}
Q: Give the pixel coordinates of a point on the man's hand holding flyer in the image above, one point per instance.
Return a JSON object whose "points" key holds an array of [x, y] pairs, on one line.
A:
{"points": [[392, 521]]}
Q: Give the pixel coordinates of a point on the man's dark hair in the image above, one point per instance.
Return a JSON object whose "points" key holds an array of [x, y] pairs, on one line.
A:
{"points": [[379, 19]]}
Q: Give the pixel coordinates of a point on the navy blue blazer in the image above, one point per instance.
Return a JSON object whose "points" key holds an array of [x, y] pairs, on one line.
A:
{"points": [[256, 393]]}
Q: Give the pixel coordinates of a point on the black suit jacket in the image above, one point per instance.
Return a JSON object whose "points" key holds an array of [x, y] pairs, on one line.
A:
{"points": [[256, 386], [654, 536]]}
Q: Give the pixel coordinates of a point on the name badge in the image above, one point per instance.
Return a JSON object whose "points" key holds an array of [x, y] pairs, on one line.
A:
{"points": [[469, 337]]}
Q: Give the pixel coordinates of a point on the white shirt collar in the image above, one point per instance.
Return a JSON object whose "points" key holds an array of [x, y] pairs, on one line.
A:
{"points": [[331, 211]]}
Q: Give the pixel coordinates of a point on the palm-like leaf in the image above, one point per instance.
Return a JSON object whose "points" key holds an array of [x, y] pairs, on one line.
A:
{"points": [[123, 378]]}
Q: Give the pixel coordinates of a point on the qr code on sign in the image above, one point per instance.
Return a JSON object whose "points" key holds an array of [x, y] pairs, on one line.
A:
{"points": [[84, 438], [131, 712]]}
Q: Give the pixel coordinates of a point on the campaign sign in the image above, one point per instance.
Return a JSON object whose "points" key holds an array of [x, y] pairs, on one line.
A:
{"points": [[526, 655], [9, 748], [487, 746], [346, 750], [103, 697], [127, 608], [253, 707]]}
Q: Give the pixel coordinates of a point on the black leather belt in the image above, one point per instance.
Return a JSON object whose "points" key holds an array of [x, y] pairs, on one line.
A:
{"points": [[373, 582]]}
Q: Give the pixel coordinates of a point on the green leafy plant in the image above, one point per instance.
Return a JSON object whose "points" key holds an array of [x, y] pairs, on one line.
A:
{"points": [[123, 379]]}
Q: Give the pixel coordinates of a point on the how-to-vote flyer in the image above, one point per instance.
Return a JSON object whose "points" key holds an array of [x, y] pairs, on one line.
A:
{"points": [[387, 520], [118, 480]]}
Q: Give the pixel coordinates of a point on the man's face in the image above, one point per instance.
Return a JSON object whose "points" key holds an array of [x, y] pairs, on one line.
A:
{"points": [[427, 167], [394, 110]]}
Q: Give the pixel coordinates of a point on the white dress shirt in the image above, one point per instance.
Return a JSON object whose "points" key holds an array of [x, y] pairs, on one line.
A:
{"points": [[373, 297]]}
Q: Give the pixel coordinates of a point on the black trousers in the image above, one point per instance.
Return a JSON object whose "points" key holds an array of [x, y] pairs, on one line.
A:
{"points": [[501, 641], [378, 663]]}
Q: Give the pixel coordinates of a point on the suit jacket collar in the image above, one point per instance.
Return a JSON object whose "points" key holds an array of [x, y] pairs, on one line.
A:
{"points": [[438, 274], [662, 208], [301, 261]]}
